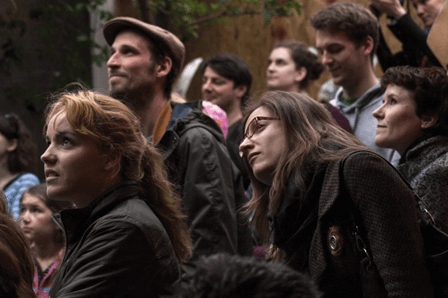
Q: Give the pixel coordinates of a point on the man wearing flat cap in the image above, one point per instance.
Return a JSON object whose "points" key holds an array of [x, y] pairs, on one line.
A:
{"points": [[144, 62]]}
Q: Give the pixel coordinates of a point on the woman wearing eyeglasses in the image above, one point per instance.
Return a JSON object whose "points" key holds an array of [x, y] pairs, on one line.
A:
{"points": [[18, 158], [322, 202]]}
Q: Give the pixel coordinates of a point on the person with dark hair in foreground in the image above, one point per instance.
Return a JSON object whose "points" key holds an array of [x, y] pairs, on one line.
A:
{"points": [[225, 276], [414, 121], [323, 202]]}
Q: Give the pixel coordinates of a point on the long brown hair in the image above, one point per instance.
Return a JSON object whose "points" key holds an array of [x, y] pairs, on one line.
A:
{"points": [[16, 262], [117, 129], [312, 135]]}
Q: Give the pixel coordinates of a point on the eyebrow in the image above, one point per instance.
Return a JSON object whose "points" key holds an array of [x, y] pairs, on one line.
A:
{"points": [[62, 134]]}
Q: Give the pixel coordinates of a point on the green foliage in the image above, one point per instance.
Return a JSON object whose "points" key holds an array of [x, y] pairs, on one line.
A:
{"points": [[185, 15], [65, 38]]}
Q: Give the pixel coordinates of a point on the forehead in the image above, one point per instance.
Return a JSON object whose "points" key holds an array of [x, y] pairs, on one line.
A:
{"points": [[31, 200], [325, 38], [131, 38], [261, 111], [280, 53], [211, 73]]}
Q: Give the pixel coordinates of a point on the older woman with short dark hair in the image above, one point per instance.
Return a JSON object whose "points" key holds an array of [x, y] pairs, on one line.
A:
{"points": [[414, 121]]}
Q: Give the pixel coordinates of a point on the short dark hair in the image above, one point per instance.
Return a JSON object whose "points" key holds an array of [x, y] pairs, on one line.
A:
{"points": [[226, 276], [302, 57], [231, 67], [428, 87], [24, 158], [354, 19]]}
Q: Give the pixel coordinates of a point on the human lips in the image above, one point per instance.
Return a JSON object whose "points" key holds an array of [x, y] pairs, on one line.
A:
{"points": [[50, 175], [251, 157]]}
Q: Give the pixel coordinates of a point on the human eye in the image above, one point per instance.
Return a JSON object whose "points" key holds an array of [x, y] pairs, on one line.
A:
{"points": [[335, 49], [22, 210], [67, 142]]}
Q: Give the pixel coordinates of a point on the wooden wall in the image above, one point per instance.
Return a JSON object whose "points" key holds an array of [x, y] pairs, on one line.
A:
{"points": [[251, 39]]}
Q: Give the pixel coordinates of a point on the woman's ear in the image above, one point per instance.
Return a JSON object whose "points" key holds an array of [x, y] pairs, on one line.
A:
{"points": [[301, 74], [428, 121], [113, 163], [12, 145]]}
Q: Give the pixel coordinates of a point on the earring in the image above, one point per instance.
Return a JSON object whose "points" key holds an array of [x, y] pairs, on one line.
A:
{"points": [[241, 154]]}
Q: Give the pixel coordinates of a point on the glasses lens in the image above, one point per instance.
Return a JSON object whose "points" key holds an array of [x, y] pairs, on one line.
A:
{"points": [[252, 128]]}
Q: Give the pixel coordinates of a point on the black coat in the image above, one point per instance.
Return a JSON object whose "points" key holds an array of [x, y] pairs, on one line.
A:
{"points": [[116, 247]]}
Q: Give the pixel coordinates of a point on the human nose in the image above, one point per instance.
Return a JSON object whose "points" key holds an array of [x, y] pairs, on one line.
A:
{"points": [[327, 59], [245, 146], [419, 9], [24, 218], [207, 85], [378, 113], [48, 156], [113, 61], [270, 67]]}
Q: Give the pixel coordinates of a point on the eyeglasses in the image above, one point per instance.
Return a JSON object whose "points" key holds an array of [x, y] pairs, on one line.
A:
{"points": [[254, 126]]}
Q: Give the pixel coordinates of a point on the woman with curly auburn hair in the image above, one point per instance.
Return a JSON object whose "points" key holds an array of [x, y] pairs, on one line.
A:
{"points": [[318, 193], [128, 235], [414, 121], [18, 157]]}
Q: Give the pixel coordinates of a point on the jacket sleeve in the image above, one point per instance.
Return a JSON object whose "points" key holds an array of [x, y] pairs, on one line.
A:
{"points": [[432, 188], [388, 210], [413, 39], [208, 193], [114, 260]]}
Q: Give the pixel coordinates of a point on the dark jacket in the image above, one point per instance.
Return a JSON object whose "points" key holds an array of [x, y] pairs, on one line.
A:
{"points": [[116, 247], [317, 228], [425, 166], [209, 183], [416, 51]]}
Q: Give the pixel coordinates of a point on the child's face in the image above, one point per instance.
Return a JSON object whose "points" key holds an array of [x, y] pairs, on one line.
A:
{"points": [[35, 220]]}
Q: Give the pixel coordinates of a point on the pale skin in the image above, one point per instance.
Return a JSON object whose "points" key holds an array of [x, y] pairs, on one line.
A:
{"points": [[349, 64], [129, 69], [8, 146], [39, 228], [392, 8], [222, 92]]}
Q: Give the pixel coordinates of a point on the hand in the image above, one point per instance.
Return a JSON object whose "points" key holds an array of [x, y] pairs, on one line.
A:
{"points": [[392, 8]]}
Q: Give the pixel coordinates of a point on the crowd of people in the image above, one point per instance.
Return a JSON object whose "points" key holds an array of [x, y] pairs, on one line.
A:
{"points": [[147, 194]]}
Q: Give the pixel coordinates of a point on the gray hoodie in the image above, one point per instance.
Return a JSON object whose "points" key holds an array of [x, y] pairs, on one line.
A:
{"points": [[362, 122]]}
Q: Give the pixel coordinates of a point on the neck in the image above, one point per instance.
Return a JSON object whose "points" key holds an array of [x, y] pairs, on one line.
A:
{"points": [[233, 116], [295, 88], [46, 253], [5, 175], [358, 88], [150, 113]]}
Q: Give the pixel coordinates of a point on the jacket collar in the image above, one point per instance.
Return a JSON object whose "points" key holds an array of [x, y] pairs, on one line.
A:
{"points": [[363, 101], [74, 222], [422, 153]]}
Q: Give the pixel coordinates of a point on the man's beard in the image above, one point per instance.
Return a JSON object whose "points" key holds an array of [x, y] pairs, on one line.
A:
{"points": [[134, 99]]}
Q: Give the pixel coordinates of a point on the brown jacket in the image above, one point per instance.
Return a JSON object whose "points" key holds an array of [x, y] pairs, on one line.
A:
{"points": [[370, 194]]}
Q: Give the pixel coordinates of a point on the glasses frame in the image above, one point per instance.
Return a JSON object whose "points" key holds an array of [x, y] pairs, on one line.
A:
{"points": [[256, 119]]}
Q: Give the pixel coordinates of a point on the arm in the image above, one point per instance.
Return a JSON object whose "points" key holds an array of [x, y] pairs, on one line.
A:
{"points": [[208, 192], [114, 260], [388, 210]]}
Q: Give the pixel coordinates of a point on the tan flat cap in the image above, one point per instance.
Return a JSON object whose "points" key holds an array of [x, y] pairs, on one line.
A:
{"points": [[165, 39]]}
